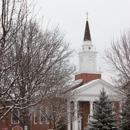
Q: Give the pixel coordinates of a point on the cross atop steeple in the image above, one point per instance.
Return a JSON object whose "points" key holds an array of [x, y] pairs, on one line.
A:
{"points": [[87, 36], [86, 16]]}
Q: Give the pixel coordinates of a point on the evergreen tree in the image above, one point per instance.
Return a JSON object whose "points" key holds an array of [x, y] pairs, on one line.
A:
{"points": [[61, 125], [103, 114], [124, 121]]}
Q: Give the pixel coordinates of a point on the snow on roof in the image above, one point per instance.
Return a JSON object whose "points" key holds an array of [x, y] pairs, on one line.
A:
{"points": [[76, 82], [90, 82]]}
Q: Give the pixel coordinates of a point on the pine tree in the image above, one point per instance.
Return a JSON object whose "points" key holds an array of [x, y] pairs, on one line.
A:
{"points": [[124, 121], [103, 114]]}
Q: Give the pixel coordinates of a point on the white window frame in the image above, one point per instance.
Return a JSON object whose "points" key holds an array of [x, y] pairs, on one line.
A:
{"points": [[12, 121], [41, 117], [35, 117], [47, 121]]}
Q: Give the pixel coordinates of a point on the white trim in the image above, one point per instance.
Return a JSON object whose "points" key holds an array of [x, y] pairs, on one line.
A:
{"points": [[91, 107], [92, 83], [17, 127], [88, 72], [47, 121], [79, 122], [68, 115], [35, 118], [41, 117], [76, 115], [12, 122]]}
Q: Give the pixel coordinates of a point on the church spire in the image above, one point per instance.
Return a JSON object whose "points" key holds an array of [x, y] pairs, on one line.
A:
{"points": [[87, 36]]}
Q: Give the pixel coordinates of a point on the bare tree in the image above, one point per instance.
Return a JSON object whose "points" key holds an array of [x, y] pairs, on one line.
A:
{"points": [[54, 106], [39, 55], [29, 58], [118, 59], [13, 13]]}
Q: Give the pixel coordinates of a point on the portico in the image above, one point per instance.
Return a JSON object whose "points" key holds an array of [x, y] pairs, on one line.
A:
{"points": [[79, 120], [84, 104]]}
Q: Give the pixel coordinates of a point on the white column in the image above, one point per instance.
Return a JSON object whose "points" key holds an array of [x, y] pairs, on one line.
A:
{"points": [[79, 123], [75, 125], [120, 106], [69, 116], [91, 107]]}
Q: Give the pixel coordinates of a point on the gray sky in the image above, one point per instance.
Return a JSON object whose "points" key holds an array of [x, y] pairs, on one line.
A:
{"points": [[107, 19]]}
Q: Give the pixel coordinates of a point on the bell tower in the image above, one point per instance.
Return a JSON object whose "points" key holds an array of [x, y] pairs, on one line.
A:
{"points": [[87, 58]]}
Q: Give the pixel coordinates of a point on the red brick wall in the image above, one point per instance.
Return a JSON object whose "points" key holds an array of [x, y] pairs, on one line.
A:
{"points": [[40, 127], [87, 77], [7, 122], [85, 111]]}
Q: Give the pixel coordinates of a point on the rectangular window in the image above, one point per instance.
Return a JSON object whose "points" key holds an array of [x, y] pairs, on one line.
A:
{"points": [[47, 120], [47, 115], [35, 118], [15, 116], [41, 117]]}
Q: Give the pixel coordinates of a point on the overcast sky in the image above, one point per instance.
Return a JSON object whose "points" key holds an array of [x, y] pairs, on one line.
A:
{"points": [[107, 19]]}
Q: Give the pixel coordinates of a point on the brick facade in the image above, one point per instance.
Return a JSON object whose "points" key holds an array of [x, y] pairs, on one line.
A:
{"points": [[87, 77], [85, 111], [7, 122], [85, 105]]}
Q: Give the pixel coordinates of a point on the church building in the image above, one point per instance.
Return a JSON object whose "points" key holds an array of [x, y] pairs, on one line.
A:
{"points": [[90, 84]]}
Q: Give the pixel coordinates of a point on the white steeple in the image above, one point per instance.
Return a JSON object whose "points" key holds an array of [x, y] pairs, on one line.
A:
{"points": [[87, 55]]}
